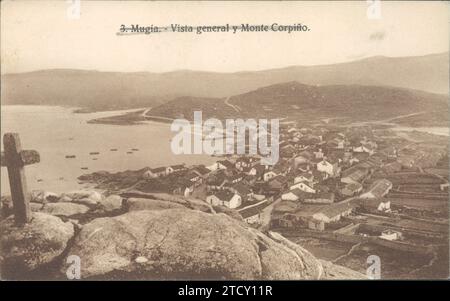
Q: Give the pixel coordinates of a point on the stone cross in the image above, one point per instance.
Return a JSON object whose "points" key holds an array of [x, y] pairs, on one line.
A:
{"points": [[14, 158]]}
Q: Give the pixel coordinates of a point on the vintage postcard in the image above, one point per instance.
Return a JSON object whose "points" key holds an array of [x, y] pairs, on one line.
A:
{"points": [[243, 140]]}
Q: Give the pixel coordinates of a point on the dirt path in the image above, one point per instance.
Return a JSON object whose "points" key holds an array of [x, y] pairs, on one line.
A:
{"points": [[404, 116], [353, 248], [236, 108], [144, 114], [388, 121], [429, 264], [436, 175]]}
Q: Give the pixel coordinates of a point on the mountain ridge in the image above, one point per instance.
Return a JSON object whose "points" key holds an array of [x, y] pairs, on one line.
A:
{"points": [[376, 57], [98, 90], [309, 102]]}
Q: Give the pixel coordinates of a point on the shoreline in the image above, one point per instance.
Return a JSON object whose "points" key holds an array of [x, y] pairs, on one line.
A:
{"points": [[137, 116]]}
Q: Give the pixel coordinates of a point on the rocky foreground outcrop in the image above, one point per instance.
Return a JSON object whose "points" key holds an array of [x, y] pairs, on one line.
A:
{"points": [[34, 245], [150, 237]]}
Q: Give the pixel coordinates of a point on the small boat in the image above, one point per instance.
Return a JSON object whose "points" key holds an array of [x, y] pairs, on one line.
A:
{"points": [[94, 159], [61, 178], [40, 180], [94, 153], [135, 149], [129, 152], [84, 168], [70, 156], [113, 149]]}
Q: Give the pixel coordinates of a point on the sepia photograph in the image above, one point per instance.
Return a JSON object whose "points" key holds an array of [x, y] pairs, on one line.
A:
{"points": [[214, 140]]}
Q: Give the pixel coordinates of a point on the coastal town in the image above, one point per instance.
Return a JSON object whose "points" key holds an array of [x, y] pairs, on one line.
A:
{"points": [[350, 189], [198, 141]]}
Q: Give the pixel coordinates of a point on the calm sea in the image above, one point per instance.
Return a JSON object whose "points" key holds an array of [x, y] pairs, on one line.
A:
{"points": [[56, 132]]}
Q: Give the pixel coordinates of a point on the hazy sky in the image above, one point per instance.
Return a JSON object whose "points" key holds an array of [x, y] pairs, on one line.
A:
{"points": [[40, 35]]}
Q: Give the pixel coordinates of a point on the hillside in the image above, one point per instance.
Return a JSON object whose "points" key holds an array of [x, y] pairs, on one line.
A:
{"points": [[293, 99], [428, 73], [184, 107], [109, 90], [90, 90]]}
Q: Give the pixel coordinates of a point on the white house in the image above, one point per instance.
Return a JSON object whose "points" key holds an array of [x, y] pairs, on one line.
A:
{"points": [[391, 235], [384, 206], [155, 172], [224, 198], [186, 191], [319, 154], [251, 217], [340, 143], [331, 168], [257, 171], [303, 186], [269, 175], [245, 162], [175, 168], [183, 187]]}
